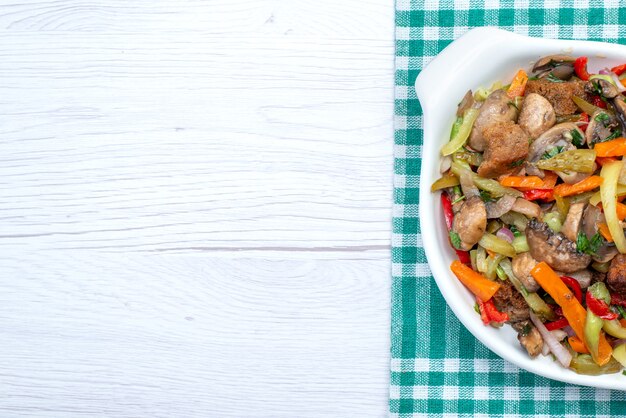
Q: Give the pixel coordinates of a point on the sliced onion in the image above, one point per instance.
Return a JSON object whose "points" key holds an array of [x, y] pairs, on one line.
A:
{"points": [[545, 350], [500, 207], [562, 355], [618, 342], [559, 334], [618, 83], [506, 234], [604, 71], [569, 331], [467, 184], [446, 163]]}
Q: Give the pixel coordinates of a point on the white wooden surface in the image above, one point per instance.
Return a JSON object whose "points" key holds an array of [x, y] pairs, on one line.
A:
{"points": [[195, 207]]}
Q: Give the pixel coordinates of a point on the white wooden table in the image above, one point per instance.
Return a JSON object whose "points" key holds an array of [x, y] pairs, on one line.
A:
{"points": [[195, 204]]}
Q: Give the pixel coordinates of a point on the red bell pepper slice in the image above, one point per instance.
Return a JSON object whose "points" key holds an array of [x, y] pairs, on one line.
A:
{"points": [[600, 308], [483, 312], [557, 310], [558, 324], [448, 214], [489, 313], [619, 69], [573, 284], [580, 68], [539, 194], [598, 102]]}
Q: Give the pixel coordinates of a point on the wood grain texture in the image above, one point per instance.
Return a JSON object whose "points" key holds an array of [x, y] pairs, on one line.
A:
{"points": [[158, 335], [195, 208]]}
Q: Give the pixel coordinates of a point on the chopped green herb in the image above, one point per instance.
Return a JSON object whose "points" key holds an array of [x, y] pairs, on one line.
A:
{"points": [[552, 152], [533, 78], [476, 308], [525, 330], [601, 117], [458, 199], [486, 196], [551, 77], [589, 246], [455, 240], [622, 311], [577, 138], [624, 372], [457, 190], [517, 163], [516, 232]]}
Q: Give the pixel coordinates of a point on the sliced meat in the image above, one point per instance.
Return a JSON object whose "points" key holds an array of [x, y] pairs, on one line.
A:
{"points": [[470, 222], [522, 265], [537, 115], [506, 146], [597, 276], [558, 94], [508, 300], [572, 222], [529, 337], [616, 277], [496, 108], [555, 249]]}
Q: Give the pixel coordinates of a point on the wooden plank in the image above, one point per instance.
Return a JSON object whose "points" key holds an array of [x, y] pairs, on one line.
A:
{"points": [[170, 142], [158, 335], [351, 18]]}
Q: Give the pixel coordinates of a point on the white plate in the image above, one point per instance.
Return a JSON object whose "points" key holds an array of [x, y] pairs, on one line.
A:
{"points": [[479, 58]]}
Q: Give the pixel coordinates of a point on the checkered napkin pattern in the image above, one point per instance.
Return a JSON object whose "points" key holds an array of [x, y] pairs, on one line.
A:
{"points": [[438, 369]]}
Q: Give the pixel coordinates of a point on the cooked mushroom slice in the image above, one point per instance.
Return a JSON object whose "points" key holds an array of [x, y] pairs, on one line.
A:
{"points": [[529, 337], [555, 249], [496, 108], [500, 207], [602, 125], [522, 265], [537, 115], [558, 136], [605, 253], [551, 61], [572, 177], [607, 89], [526, 207], [471, 222], [592, 217], [583, 277], [616, 277], [619, 105], [573, 221], [466, 103]]}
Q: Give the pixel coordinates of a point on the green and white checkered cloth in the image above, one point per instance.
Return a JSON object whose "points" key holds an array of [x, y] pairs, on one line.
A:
{"points": [[438, 369]]}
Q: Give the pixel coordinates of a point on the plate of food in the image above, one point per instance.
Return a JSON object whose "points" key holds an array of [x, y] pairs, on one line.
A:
{"points": [[522, 204]]}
